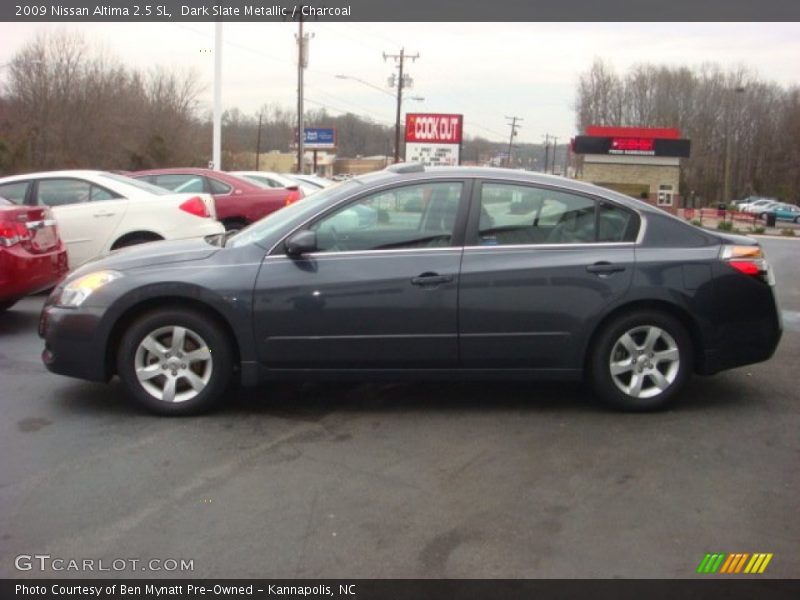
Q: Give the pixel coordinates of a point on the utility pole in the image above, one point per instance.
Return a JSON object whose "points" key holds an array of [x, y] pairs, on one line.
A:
{"points": [[546, 137], [401, 83], [514, 126], [258, 138], [302, 63], [555, 148]]}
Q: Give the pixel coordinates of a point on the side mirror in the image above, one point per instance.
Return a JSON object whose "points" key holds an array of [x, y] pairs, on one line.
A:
{"points": [[302, 242]]}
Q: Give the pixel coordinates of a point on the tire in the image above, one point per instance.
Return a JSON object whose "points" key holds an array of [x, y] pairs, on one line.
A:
{"points": [[6, 304], [149, 346], [134, 240], [650, 334], [797, 220], [234, 224]]}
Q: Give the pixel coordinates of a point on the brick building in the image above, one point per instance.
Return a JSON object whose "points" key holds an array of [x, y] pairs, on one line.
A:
{"points": [[642, 162]]}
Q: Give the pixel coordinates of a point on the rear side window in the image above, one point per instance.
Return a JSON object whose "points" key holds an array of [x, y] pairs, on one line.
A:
{"points": [[512, 214], [180, 183], [16, 192], [101, 193], [217, 187]]}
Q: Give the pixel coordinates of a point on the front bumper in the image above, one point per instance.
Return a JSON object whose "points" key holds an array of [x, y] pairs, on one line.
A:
{"points": [[73, 346]]}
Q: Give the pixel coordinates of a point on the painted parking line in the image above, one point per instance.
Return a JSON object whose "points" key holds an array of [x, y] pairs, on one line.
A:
{"points": [[791, 320]]}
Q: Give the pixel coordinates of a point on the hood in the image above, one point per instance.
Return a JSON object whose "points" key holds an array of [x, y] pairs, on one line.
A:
{"points": [[150, 253]]}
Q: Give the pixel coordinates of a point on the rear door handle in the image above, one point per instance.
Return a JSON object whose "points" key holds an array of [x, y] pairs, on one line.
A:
{"points": [[604, 268], [431, 279]]}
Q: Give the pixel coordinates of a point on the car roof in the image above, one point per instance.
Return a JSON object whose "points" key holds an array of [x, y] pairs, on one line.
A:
{"points": [[43, 174]]}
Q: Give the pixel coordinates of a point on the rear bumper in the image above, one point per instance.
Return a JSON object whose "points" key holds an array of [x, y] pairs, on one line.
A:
{"points": [[23, 273], [745, 340], [72, 347]]}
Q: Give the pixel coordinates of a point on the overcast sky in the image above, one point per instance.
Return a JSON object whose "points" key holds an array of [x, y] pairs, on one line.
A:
{"points": [[483, 70]]}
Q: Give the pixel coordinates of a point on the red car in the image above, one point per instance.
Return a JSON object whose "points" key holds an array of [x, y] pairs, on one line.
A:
{"points": [[32, 255], [239, 202]]}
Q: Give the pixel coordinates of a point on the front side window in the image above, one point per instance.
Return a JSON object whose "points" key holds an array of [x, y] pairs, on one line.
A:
{"points": [[513, 214], [16, 192], [415, 216], [59, 192]]}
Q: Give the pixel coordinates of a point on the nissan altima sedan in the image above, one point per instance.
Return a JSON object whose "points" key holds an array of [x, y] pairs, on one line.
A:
{"points": [[494, 274]]}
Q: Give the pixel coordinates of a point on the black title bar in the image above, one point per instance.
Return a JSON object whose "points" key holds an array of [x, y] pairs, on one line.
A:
{"points": [[712, 587]]}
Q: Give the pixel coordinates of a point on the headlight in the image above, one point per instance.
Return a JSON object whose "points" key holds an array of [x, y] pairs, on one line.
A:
{"points": [[75, 292]]}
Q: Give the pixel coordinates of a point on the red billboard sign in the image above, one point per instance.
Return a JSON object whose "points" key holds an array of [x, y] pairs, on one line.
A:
{"points": [[424, 128]]}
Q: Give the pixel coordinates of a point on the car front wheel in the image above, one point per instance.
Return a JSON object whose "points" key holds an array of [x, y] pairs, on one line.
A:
{"points": [[641, 361], [175, 362]]}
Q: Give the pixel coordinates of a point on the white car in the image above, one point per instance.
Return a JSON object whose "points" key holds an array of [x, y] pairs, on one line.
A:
{"points": [[97, 211], [274, 180], [313, 180], [758, 206]]}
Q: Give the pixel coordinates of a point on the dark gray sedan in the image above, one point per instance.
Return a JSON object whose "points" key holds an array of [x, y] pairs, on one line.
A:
{"points": [[457, 273]]}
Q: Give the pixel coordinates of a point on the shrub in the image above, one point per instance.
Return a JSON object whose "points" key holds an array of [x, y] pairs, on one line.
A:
{"points": [[725, 226], [787, 232], [758, 230], [697, 222]]}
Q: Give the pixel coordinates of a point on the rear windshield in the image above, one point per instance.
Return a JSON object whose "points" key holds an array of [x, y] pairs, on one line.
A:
{"points": [[142, 185]]}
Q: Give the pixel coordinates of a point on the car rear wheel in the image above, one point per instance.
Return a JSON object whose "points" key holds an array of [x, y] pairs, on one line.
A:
{"points": [[135, 239], [175, 362], [234, 224], [6, 304], [641, 361]]}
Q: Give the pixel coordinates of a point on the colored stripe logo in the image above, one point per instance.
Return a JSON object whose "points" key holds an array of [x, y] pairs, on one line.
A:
{"points": [[735, 563]]}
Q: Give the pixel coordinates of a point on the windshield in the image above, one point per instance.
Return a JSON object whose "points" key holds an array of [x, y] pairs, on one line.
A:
{"points": [[276, 221], [142, 185]]}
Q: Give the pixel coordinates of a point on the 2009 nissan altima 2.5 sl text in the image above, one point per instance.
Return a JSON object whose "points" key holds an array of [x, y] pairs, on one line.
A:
{"points": [[423, 273]]}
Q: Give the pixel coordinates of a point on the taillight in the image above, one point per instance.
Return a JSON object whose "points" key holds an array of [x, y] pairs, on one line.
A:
{"points": [[292, 197], [13, 232], [749, 260], [196, 207]]}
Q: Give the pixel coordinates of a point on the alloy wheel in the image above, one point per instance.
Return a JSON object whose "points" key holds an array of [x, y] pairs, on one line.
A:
{"points": [[644, 361], [173, 364]]}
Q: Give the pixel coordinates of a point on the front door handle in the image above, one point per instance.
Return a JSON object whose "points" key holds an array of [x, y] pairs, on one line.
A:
{"points": [[431, 279], [604, 268], [104, 214]]}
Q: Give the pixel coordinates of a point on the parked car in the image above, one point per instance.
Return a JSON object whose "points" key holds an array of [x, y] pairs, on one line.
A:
{"points": [[605, 287], [268, 179], [239, 202], [783, 212], [758, 206], [97, 211], [312, 180], [32, 256]]}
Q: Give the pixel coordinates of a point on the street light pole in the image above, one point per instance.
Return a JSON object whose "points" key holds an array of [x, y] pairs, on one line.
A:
{"points": [[216, 152]]}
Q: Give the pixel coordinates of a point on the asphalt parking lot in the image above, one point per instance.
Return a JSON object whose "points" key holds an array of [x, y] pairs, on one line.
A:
{"points": [[404, 480]]}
